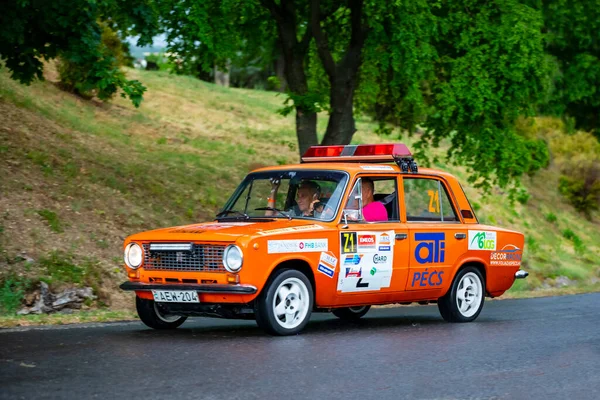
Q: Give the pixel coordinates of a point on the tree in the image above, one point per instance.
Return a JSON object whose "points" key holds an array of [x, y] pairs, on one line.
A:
{"points": [[573, 40], [462, 70], [35, 30]]}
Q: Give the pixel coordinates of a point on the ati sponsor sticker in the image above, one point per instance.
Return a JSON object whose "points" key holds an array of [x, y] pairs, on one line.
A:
{"points": [[296, 246], [482, 240], [366, 242], [510, 255], [431, 247], [427, 278], [353, 259]]}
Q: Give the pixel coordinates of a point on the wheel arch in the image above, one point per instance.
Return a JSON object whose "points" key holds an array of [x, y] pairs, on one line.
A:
{"points": [[471, 263], [297, 264]]}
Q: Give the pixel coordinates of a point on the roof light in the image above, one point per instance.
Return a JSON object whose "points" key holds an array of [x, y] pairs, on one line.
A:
{"points": [[387, 152]]}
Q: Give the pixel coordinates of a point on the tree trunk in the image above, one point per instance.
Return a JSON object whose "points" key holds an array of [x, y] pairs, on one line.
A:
{"points": [[306, 129], [341, 126]]}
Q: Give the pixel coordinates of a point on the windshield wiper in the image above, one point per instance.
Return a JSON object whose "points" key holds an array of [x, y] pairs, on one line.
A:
{"points": [[227, 212], [274, 209]]}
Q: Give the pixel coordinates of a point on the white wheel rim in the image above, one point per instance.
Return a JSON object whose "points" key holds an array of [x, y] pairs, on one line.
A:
{"points": [[290, 303], [469, 294], [165, 318]]}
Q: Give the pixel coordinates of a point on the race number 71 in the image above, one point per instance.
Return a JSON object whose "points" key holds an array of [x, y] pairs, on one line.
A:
{"points": [[348, 240]]}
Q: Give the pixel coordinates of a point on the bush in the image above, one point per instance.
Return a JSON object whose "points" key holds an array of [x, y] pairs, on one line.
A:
{"points": [[12, 289], [551, 217], [577, 242], [96, 72], [578, 157]]}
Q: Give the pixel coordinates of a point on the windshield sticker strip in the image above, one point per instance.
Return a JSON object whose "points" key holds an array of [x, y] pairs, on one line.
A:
{"points": [[292, 229], [297, 246]]}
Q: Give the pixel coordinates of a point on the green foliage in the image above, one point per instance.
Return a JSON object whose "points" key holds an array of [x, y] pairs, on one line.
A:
{"points": [[12, 289], [572, 41], [522, 196], [52, 219], [551, 217], [577, 242], [34, 30], [60, 267], [578, 157]]}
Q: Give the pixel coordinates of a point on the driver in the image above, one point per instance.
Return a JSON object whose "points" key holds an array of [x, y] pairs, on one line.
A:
{"points": [[307, 197]]}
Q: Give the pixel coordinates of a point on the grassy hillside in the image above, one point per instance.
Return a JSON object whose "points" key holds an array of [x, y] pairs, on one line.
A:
{"points": [[78, 176]]}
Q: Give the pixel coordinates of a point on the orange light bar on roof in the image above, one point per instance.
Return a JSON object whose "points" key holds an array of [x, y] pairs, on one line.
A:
{"points": [[387, 152]]}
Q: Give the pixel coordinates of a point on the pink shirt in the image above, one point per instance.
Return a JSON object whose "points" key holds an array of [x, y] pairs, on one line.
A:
{"points": [[375, 211]]}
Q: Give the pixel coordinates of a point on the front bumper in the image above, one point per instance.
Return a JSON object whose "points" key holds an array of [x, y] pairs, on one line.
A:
{"points": [[200, 288]]}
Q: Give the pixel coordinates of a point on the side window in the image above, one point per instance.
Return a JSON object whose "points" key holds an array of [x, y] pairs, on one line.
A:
{"points": [[373, 199], [427, 201]]}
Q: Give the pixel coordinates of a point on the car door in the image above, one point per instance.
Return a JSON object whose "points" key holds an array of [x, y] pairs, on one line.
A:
{"points": [[437, 237], [373, 254]]}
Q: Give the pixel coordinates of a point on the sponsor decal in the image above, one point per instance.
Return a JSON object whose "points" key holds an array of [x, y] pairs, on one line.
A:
{"points": [[366, 242], [431, 247], [208, 227], [378, 259], [352, 259], [324, 269], [327, 264], [328, 258], [364, 267], [510, 255], [296, 246], [348, 242], [292, 229], [482, 240], [377, 167], [427, 278], [384, 239]]}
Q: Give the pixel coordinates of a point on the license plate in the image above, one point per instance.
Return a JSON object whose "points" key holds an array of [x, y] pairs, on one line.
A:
{"points": [[175, 296]]}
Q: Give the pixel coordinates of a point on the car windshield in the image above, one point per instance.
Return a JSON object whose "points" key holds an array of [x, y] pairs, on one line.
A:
{"points": [[287, 194]]}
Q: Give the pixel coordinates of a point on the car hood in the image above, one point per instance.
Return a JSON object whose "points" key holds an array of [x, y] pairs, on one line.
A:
{"points": [[226, 231]]}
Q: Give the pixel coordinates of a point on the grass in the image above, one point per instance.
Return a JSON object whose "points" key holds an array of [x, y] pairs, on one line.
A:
{"points": [[9, 321], [96, 173]]}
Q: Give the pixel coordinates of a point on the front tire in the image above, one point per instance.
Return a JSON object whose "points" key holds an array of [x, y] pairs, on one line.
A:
{"points": [[351, 313], [284, 306], [464, 301], [151, 315]]}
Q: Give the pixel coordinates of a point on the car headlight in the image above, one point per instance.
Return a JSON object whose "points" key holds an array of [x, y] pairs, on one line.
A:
{"points": [[133, 255], [233, 258]]}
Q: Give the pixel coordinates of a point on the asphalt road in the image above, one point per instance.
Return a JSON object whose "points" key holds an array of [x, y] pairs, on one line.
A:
{"points": [[546, 348]]}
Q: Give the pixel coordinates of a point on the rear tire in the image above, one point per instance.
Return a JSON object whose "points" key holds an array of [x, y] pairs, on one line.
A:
{"points": [[351, 313], [285, 304], [464, 301], [151, 315]]}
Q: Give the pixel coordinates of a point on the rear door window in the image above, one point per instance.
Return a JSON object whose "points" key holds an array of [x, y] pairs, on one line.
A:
{"points": [[427, 201]]}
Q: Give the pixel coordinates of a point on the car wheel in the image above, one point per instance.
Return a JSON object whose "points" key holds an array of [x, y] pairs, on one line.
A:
{"points": [[151, 315], [285, 304], [464, 300], [351, 313]]}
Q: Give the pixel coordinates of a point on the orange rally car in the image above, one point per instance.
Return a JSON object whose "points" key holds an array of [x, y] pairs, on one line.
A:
{"points": [[350, 227]]}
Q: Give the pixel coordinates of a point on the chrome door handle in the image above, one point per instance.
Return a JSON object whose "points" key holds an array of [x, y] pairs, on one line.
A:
{"points": [[460, 236], [401, 236]]}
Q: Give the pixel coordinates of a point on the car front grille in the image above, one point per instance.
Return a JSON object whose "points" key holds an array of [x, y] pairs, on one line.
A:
{"points": [[202, 258]]}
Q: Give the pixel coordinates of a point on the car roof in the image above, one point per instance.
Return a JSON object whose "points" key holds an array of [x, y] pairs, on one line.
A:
{"points": [[355, 168]]}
